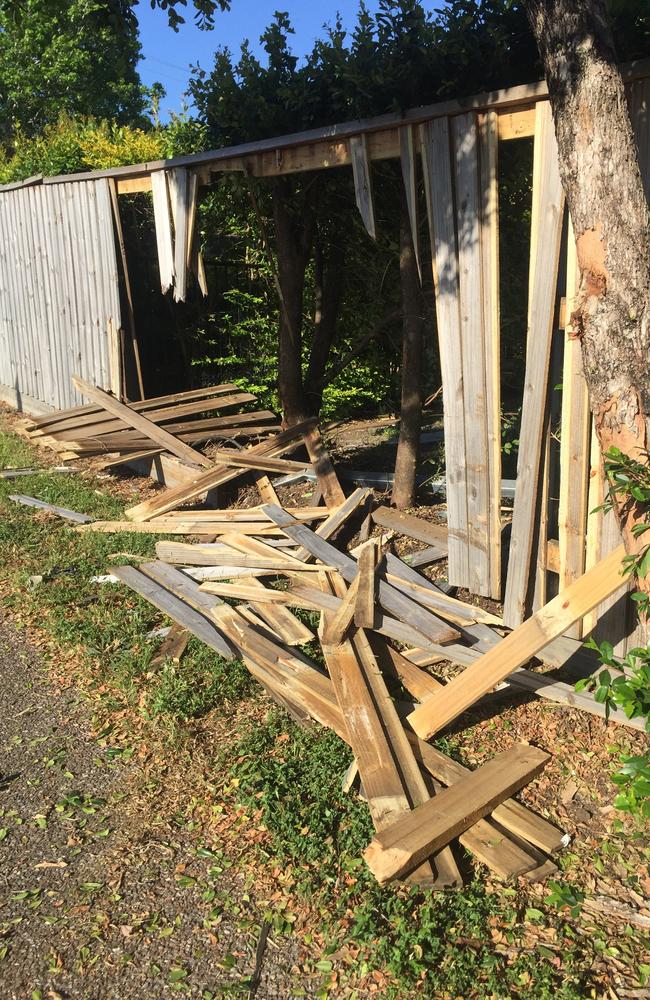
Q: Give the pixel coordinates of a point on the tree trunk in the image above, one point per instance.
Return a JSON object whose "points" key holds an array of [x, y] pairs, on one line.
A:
{"points": [[329, 288], [411, 404], [293, 237], [601, 178]]}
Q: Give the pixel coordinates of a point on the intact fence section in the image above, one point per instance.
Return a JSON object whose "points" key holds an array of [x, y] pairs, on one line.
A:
{"points": [[59, 291]]}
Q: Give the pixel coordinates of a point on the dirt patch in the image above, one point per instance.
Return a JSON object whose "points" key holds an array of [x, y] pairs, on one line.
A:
{"points": [[107, 889]]}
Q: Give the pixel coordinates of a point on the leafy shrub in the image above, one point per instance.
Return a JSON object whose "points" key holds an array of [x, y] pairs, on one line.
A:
{"points": [[71, 145], [629, 484]]}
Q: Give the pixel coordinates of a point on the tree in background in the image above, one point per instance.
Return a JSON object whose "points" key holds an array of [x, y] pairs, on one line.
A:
{"points": [[251, 100], [77, 57]]}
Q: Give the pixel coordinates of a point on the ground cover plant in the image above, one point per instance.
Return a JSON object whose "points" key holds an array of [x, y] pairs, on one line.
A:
{"points": [[270, 835]]}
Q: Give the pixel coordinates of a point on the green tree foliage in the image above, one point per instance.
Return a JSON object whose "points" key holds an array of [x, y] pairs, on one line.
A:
{"points": [[72, 56]]}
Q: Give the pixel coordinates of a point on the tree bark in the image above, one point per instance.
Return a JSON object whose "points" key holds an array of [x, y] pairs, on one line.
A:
{"points": [[293, 236], [329, 288], [600, 175], [408, 446]]}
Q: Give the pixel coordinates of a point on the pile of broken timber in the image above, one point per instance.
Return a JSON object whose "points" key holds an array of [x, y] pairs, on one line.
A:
{"points": [[381, 625], [175, 423]]}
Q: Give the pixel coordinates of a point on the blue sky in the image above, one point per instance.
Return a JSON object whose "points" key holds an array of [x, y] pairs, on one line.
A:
{"points": [[168, 56]]}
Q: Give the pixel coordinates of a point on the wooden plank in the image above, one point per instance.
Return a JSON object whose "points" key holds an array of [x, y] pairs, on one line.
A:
{"points": [[429, 594], [468, 218], [214, 477], [510, 814], [335, 520], [358, 146], [574, 444], [69, 515], [520, 645], [309, 597], [244, 591], [338, 517], [515, 124], [235, 515], [399, 849], [417, 681], [184, 554], [90, 411], [336, 624], [391, 599], [240, 460], [553, 555], [391, 777], [546, 231], [257, 547], [267, 490], [407, 141], [594, 518], [423, 558], [128, 294], [413, 783], [435, 535], [364, 605], [328, 481], [172, 647], [180, 585], [194, 621], [103, 424], [488, 127], [114, 344], [612, 624], [299, 678], [133, 185], [436, 163], [283, 622], [538, 572], [159, 466], [304, 685], [163, 227], [179, 526], [141, 423]]}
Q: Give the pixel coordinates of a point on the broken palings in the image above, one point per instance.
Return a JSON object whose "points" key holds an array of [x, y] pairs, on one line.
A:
{"points": [[415, 819], [269, 561]]}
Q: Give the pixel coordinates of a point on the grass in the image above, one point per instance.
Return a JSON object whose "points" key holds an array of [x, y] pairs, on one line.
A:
{"points": [[486, 941], [433, 944], [105, 624]]}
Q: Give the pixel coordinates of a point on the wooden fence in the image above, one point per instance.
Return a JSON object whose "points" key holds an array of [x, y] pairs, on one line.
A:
{"points": [[59, 293], [59, 297]]}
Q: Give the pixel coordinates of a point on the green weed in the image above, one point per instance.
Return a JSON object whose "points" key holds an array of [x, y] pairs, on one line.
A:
{"points": [[435, 944], [201, 682]]}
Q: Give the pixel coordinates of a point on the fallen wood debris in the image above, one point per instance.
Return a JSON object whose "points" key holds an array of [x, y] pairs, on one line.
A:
{"points": [[172, 647], [153, 426], [420, 800], [244, 586], [17, 473], [68, 515]]}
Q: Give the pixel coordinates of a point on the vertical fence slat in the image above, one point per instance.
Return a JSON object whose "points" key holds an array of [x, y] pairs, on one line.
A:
{"points": [[546, 232], [436, 159]]}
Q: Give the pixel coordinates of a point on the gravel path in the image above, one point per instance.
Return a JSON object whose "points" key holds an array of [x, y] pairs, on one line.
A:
{"points": [[103, 895]]}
